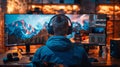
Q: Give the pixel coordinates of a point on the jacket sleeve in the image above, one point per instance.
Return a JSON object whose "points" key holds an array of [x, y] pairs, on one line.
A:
{"points": [[85, 60], [36, 60]]}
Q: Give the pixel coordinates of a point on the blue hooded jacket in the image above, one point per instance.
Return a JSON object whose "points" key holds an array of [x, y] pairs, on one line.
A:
{"points": [[60, 50]]}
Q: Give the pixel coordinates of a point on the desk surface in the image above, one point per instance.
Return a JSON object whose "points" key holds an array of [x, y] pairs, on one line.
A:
{"points": [[103, 62], [107, 61]]}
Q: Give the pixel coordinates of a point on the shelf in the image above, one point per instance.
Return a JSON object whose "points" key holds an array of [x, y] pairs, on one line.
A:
{"points": [[113, 11], [55, 8]]}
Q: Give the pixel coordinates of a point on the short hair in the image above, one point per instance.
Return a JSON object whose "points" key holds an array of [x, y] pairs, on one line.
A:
{"points": [[60, 25]]}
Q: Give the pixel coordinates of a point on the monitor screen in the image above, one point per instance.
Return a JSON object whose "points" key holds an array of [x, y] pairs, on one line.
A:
{"points": [[25, 28], [85, 26], [97, 30], [31, 28]]}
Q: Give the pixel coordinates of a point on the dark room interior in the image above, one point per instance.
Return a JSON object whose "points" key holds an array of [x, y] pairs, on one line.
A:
{"points": [[95, 26]]}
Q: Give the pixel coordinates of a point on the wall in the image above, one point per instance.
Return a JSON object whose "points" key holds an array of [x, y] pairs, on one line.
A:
{"points": [[86, 7], [117, 29], [1, 33], [9, 6], [2, 26]]}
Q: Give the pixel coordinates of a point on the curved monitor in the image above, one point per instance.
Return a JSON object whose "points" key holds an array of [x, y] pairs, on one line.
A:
{"points": [[31, 28], [25, 28]]}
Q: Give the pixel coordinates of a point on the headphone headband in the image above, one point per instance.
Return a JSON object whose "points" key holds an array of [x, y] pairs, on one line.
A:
{"points": [[50, 26], [52, 19]]}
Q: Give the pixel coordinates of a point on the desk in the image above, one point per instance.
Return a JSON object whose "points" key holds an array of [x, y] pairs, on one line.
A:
{"points": [[105, 62], [24, 62]]}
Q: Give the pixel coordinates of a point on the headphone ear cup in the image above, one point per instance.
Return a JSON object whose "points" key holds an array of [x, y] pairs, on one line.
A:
{"points": [[69, 30], [50, 30]]}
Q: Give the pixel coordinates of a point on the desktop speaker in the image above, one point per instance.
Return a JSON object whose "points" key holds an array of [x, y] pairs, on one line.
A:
{"points": [[115, 48]]}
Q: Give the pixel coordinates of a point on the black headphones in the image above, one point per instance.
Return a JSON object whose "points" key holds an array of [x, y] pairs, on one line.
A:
{"points": [[50, 27]]}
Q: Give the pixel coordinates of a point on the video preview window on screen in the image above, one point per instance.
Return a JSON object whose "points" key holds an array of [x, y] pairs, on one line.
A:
{"points": [[30, 28]]}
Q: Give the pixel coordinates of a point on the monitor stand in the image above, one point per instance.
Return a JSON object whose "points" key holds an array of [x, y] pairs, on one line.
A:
{"points": [[27, 48], [100, 51], [27, 51]]}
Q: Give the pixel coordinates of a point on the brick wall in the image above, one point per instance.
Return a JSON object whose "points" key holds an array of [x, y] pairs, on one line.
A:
{"points": [[1, 33]]}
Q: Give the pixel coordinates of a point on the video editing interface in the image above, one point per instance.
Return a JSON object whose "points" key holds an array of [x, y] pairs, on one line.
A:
{"points": [[89, 28], [30, 28]]}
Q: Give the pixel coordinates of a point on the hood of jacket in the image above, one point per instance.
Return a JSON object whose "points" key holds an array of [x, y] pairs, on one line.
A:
{"points": [[59, 43]]}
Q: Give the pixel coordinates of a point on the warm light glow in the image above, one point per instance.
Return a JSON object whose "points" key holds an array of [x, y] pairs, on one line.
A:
{"points": [[10, 6], [117, 8], [62, 7], [16, 6], [105, 9], [0, 9], [33, 6], [55, 8], [69, 7], [110, 10], [75, 7]]}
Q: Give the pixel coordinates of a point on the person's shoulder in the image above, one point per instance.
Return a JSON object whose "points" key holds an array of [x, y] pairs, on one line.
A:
{"points": [[40, 49], [44, 50], [79, 48]]}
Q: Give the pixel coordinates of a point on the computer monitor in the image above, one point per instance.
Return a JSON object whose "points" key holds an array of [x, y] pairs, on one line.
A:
{"points": [[22, 29], [89, 28]]}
